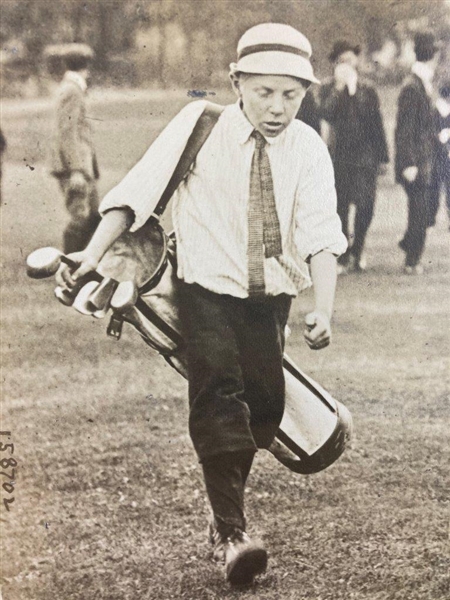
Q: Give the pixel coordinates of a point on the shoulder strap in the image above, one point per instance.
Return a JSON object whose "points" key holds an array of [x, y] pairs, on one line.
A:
{"points": [[198, 137]]}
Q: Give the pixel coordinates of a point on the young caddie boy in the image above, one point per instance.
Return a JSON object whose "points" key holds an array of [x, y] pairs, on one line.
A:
{"points": [[256, 216]]}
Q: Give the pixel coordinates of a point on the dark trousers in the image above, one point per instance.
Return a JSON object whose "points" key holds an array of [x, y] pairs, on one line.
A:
{"points": [[236, 386], [82, 206], [440, 180], [355, 185], [413, 242]]}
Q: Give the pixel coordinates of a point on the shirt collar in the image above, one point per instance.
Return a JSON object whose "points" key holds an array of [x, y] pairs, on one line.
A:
{"points": [[243, 126], [76, 78], [424, 72]]}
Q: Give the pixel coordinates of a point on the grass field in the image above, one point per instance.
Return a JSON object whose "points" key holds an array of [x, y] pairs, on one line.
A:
{"points": [[109, 501]]}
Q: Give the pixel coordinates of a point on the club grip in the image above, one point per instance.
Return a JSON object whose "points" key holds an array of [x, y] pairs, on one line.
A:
{"points": [[68, 261]]}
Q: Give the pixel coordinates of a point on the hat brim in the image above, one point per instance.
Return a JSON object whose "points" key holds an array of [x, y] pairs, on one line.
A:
{"points": [[69, 51], [277, 63]]}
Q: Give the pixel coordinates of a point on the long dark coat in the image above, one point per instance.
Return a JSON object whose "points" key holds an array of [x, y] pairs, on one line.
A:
{"points": [[415, 134], [359, 137]]}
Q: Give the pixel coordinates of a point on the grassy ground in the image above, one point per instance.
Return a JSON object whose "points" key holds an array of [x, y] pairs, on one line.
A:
{"points": [[109, 501]]}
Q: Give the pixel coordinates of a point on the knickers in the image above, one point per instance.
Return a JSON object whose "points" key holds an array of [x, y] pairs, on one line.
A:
{"points": [[236, 388], [235, 371]]}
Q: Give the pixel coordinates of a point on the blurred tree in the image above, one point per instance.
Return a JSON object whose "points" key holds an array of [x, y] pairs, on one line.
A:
{"points": [[209, 28]]}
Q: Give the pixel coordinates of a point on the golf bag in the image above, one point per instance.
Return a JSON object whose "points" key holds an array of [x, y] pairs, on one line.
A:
{"points": [[315, 428]]}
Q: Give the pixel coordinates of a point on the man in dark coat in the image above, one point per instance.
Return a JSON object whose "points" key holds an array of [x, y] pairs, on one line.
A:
{"points": [[416, 147], [352, 108]]}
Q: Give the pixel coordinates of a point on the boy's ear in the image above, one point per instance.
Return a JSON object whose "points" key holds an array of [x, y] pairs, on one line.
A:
{"points": [[234, 78]]}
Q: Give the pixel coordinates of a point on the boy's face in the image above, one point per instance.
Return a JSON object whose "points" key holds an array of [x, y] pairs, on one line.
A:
{"points": [[270, 102]]}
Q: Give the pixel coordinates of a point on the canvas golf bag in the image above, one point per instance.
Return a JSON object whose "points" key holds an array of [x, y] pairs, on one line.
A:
{"points": [[315, 428]]}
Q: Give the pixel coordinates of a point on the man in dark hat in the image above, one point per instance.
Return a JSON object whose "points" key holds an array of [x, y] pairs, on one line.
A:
{"points": [[352, 108], [73, 158], [417, 147]]}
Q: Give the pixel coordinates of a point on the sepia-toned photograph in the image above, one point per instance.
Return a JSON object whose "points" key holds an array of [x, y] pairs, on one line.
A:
{"points": [[225, 316]]}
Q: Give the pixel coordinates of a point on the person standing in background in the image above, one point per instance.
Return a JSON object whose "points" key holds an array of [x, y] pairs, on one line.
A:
{"points": [[352, 109], [416, 147], [73, 158], [440, 175], [309, 111]]}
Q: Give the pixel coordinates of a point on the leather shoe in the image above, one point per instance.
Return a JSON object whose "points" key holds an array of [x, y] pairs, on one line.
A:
{"points": [[413, 270], [243, 557]]}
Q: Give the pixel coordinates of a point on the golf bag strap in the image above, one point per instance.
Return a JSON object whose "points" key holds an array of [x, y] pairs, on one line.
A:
{"points": [[198, 137]]}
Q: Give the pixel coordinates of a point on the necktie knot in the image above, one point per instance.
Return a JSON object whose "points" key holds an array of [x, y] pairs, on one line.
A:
{"points": [[260, 140]]}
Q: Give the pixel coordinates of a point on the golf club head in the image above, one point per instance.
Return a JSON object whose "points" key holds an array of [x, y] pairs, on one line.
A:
{"points": [[100, 298], [43, 262], [82, 302], [66, 297], [125, 296]]}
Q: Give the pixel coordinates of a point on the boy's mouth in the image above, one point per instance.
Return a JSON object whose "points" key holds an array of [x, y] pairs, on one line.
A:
{"points": [[273, 126]]}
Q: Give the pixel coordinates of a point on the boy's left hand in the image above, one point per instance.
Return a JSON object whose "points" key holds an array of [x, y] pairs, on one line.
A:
{"points": [[317, 330]]}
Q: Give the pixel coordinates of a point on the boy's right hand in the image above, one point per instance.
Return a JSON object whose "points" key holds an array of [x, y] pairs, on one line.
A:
{"points": [[67, 277]]}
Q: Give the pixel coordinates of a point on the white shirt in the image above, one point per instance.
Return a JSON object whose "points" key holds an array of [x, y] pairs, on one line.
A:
{"points": [[76, 78], [426, 74], [210, 206]]}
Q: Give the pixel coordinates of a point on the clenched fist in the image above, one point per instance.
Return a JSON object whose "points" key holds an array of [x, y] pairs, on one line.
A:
{"points": [[317, 330]]}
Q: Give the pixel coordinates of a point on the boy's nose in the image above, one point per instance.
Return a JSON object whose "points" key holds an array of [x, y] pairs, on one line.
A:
{"points": [[277, 106]]}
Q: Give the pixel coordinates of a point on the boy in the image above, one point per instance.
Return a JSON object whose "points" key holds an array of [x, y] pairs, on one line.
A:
{"points": [[258, 206]]}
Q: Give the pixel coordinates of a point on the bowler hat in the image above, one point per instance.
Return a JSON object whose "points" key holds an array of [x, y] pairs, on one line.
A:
{"points": [[342, 46], [275, 49], [425, 45]]}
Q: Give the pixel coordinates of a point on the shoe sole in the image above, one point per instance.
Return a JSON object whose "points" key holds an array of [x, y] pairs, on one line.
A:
{"points": [[249, 563]]}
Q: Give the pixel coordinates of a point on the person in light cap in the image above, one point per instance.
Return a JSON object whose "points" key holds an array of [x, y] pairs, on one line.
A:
{"points": [[275, 49], [256, 215], [73, 160]]}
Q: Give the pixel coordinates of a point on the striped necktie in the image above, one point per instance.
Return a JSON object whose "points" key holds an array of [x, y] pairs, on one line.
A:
{"points": [[264, 237]]}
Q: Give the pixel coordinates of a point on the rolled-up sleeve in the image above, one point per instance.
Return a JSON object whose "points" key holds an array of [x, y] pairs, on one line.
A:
{"points": [[141, 189], [318, 226]]}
